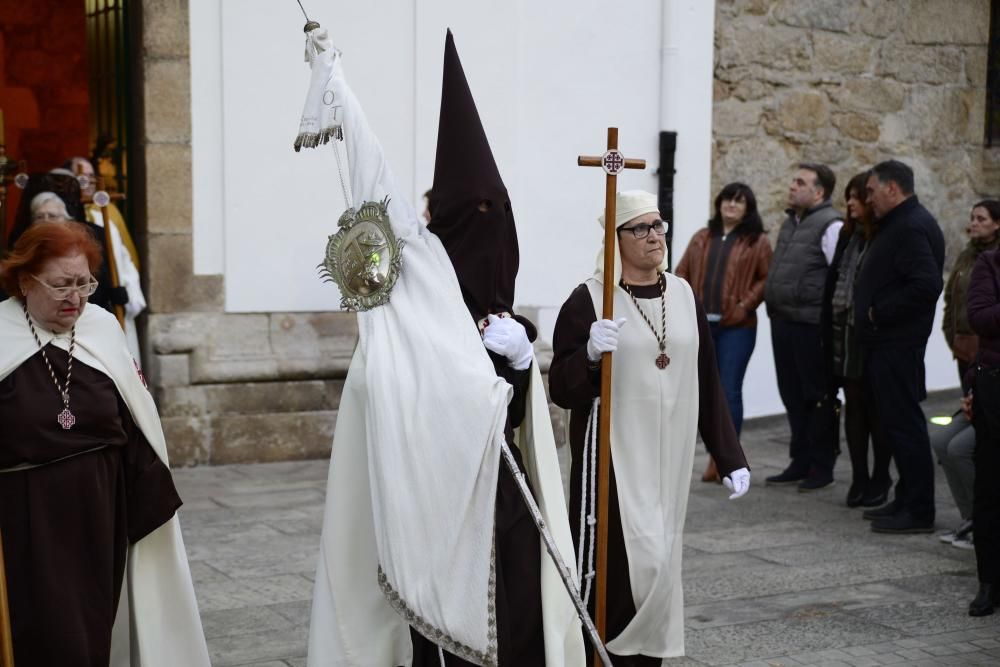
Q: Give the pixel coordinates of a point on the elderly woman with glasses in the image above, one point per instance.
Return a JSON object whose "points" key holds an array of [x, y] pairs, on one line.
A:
{"points": [[52, 197], [86, 496], [665, 390]]}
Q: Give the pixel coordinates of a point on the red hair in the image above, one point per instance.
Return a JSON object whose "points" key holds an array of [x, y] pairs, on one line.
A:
{"points": [[43, 242]]}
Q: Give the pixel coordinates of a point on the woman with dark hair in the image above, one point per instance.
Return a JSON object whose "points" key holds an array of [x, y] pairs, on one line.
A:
{"points": [[984, 234], [726, 265], [844, 355]]}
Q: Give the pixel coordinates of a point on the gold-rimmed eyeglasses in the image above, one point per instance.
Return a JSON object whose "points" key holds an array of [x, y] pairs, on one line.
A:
{"points": [[62, 293]]}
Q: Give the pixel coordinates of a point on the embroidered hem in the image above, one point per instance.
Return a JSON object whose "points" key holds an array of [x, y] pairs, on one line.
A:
{"points": [[487, 658]]}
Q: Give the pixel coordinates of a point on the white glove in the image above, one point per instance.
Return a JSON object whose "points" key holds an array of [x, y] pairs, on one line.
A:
{"points": [[507, 337], [738, 481], [603, 337]]}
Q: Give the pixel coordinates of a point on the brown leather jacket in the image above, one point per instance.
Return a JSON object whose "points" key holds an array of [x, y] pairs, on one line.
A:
{"points": [[743, 285]]}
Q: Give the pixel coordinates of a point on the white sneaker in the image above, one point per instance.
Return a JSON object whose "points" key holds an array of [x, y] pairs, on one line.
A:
{"points": [[964, 541], [949, 537]]}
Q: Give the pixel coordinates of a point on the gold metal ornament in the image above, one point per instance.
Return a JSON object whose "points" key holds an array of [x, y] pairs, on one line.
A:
{"points": [[364, 257]]}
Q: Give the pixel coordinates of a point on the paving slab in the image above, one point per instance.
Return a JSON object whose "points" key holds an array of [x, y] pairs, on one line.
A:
{"points": [[777, 578]]}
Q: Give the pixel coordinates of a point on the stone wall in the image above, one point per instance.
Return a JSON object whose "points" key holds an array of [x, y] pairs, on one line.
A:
{"points": [[230, 387], [850, 83]]}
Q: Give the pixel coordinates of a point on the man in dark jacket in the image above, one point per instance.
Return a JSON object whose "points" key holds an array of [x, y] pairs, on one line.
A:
{"points": [[895, 300], [794, 296]]}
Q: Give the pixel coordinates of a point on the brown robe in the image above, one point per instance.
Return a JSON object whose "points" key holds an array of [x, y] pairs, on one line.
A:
{"points": [[520, 639], [67, 524], [574, 385]]}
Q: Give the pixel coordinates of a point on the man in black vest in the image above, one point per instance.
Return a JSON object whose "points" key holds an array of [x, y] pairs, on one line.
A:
{"points": [[794, 296], [895, 300]]}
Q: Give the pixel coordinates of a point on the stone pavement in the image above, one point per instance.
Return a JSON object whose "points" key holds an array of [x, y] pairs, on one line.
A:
{"points": [[777, 578]]}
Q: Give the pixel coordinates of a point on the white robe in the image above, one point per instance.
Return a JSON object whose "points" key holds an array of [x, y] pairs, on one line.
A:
{"points": [[158, 594], [409, 520], [128, 277], [654, 426]]}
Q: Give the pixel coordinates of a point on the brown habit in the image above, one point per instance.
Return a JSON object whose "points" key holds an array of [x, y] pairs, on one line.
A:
{"points": [[67, 525], [574, 386]]}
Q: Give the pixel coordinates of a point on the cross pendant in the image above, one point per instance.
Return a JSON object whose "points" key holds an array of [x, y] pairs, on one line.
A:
{"points": [[66, 419], [662, 361]]}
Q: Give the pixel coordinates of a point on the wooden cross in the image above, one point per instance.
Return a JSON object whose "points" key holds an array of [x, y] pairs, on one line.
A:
{"points": [[613, 163]]}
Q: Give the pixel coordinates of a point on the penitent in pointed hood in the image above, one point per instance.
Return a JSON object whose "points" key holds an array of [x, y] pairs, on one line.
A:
{"points": [[470, 208]]}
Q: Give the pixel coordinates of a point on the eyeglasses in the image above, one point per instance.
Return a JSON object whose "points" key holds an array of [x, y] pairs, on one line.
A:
{"points": [[642, 230], [63, 293], [53, 217]]}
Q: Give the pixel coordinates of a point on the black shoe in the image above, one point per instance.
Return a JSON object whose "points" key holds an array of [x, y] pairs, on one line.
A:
{"points": [[856, 494], [987, 598], [791, 475], [814, 482], [902, 523], [882, 512], [877, 494], [875, 500]]}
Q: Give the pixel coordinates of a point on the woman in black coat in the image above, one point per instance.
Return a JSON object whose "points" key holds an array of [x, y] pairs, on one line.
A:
{"points": [[984, 317]]}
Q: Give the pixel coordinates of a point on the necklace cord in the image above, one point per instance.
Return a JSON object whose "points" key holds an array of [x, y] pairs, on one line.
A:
{"points": [[661, 337], [64, 388]]}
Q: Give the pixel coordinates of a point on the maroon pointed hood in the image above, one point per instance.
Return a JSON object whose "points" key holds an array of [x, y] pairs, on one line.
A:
{"points": [[470, 208]]}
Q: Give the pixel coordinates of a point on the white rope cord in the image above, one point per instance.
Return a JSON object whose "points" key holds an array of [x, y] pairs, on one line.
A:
{"points": [[592, 514], [584, 477], [441, 656]]}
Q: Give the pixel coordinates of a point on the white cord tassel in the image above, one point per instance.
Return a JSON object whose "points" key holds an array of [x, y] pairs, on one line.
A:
{"points": [[588, 517], [583, 490], [592, 517]]}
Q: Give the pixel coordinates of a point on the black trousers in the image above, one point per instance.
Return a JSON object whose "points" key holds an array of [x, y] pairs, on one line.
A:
{"points": [[894, 379], [798, 364], [860, 426], [986, 493]]}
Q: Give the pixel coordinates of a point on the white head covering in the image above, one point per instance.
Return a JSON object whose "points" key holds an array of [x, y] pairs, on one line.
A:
{"points": [[629, 205]]}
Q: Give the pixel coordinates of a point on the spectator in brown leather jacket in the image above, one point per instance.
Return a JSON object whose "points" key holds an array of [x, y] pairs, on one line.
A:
{"points": [[726, 264]]}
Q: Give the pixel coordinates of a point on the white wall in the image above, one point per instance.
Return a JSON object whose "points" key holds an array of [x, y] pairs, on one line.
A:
{"points": [[549, 78]]}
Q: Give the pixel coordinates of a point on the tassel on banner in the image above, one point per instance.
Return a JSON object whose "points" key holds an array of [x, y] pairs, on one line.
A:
{"points": [[314, 139]]}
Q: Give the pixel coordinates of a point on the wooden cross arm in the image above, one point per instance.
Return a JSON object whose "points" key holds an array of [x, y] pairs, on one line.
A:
{"points": [[595, 161], [113, 196]]}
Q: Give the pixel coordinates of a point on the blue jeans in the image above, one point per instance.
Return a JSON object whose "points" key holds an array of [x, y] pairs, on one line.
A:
{"points": [[733, 347]]}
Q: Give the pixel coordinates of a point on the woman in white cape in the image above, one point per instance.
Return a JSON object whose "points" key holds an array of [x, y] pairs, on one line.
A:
{"points": [[96, 568]]}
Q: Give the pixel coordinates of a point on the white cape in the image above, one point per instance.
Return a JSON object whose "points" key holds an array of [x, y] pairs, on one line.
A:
{"points": [[409, 520], [128, 277], [162, 627], [654, 427]]}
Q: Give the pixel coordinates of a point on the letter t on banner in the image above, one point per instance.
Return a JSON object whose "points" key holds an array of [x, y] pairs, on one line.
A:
{"points": [[613, 163]]}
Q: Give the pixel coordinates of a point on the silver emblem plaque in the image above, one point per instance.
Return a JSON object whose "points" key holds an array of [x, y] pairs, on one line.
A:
{"points": [[364, 257]]}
